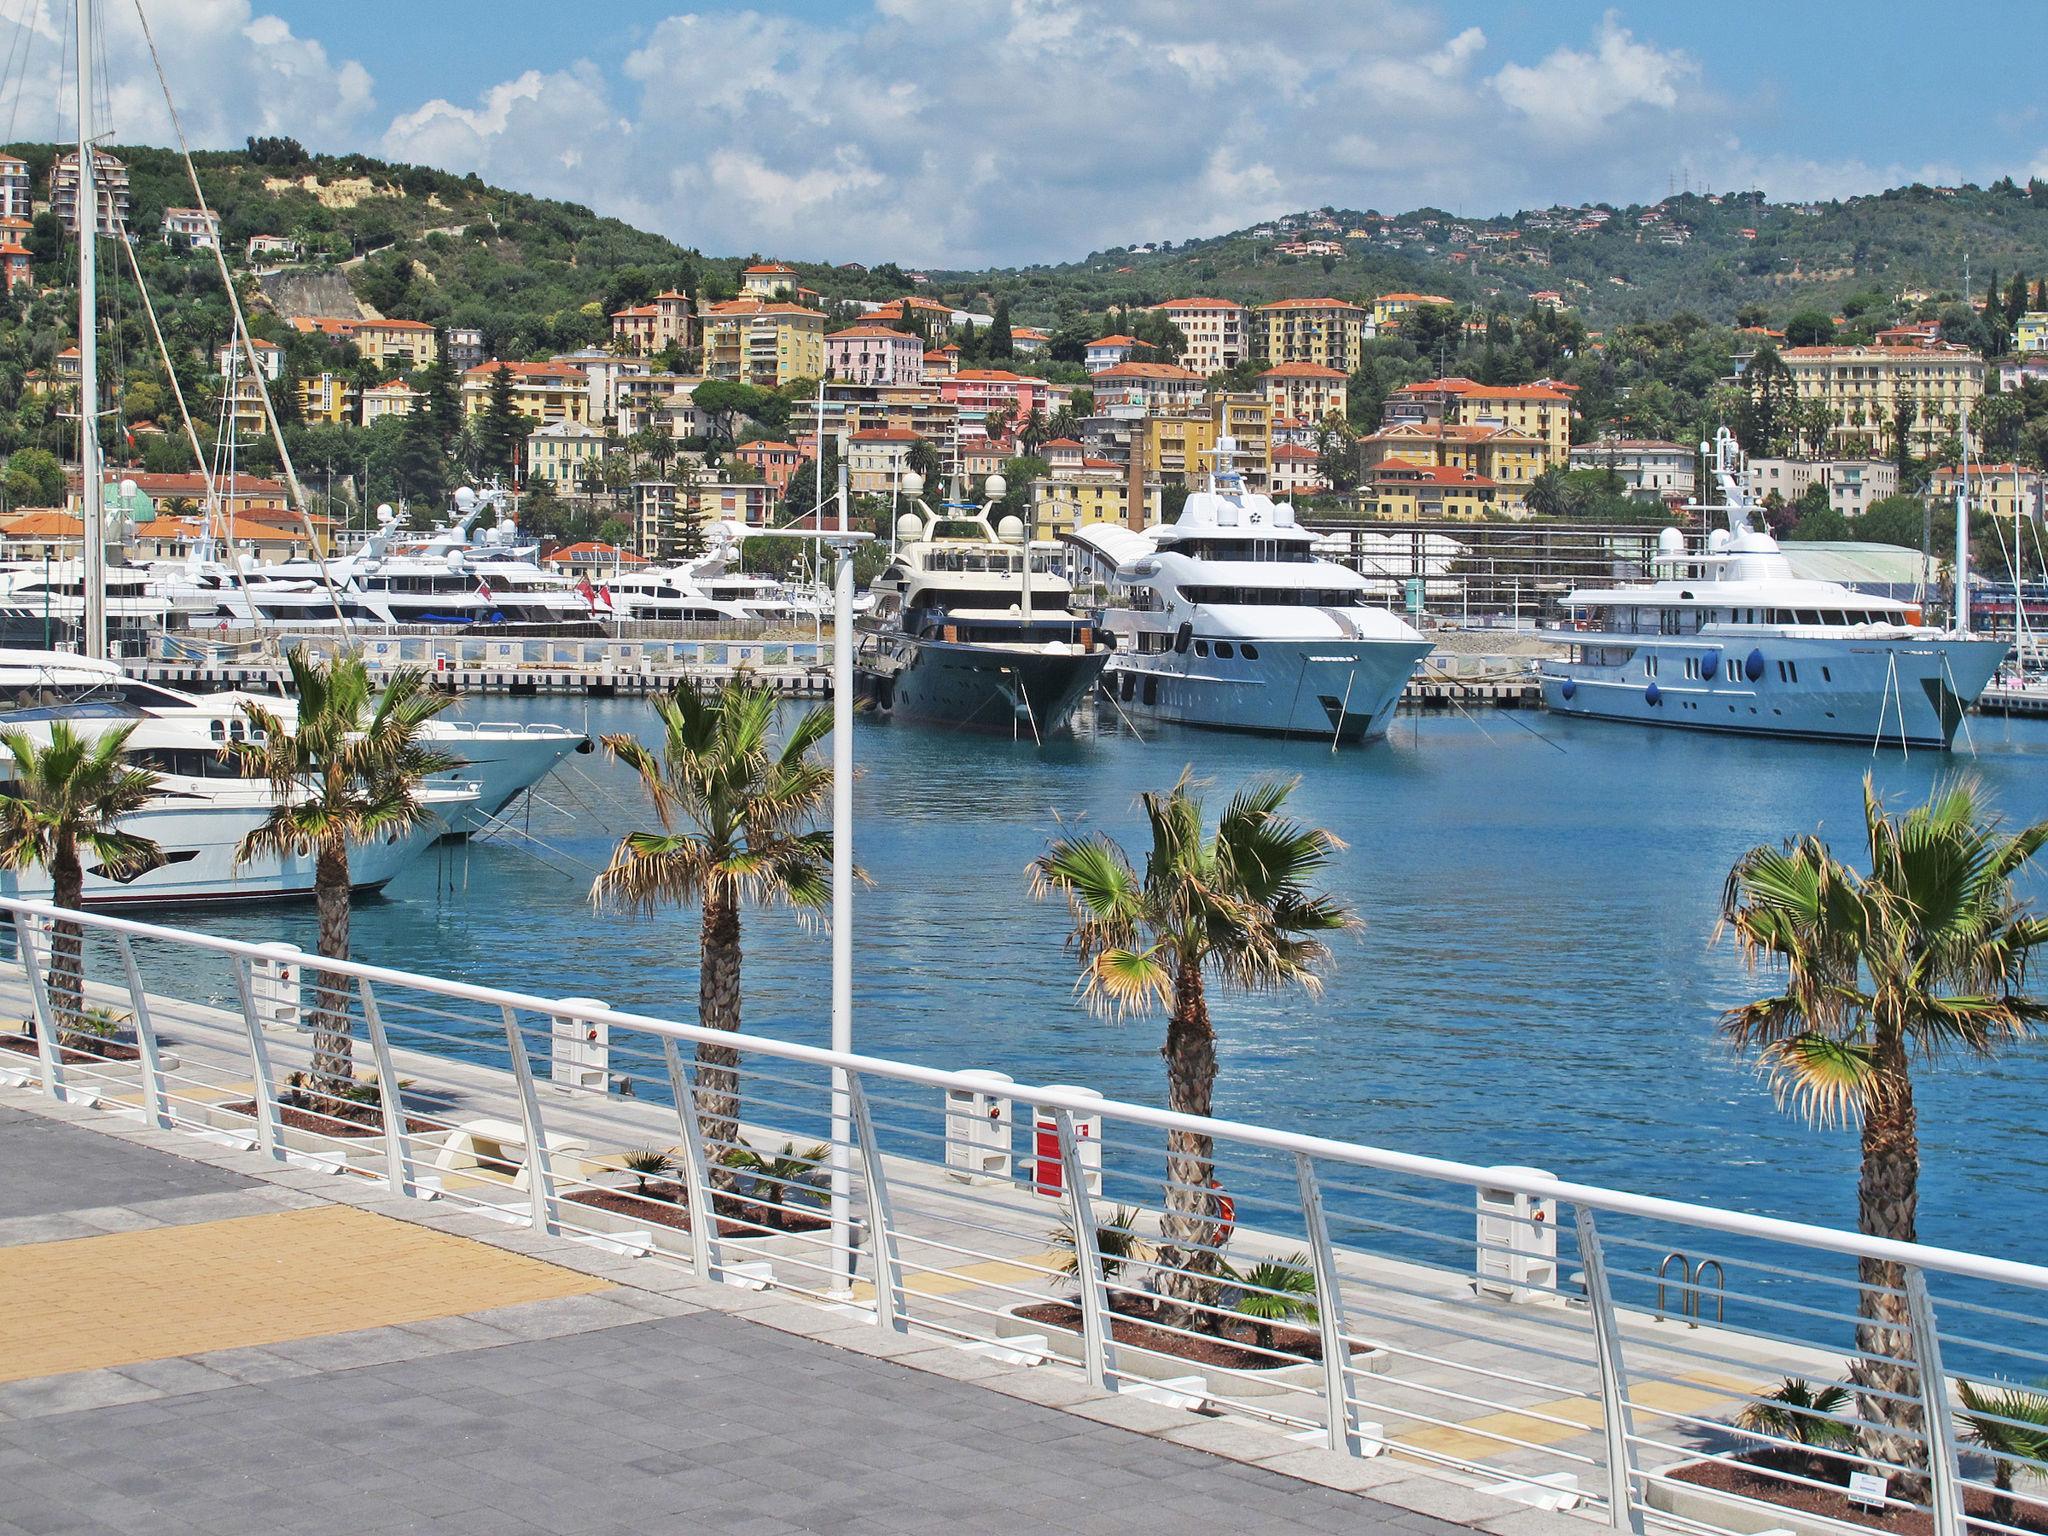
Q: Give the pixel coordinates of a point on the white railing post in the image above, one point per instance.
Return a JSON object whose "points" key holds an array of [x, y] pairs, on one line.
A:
{"points": [[1340, 1422], [49, 1049], [390, 1100], [704, 1247], [892, 1301], [156, 1099], [1097, 1347], [540, 1170], [1616, 1416], [1944, 1464], [269, 1124]]}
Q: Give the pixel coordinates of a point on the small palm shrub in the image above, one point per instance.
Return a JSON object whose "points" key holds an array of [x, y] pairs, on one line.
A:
{"points": [[1275, 1291], [1799, 1412], [1116, 1239], [2012, 1424]]}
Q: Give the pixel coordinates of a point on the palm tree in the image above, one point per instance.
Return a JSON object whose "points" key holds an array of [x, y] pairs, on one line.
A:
{"points": [[68, 794], [736, 812], [1233, 907], [2012, 1424], [349, 769], [1925, 955], [1807, 1416], [1275, 1291]]}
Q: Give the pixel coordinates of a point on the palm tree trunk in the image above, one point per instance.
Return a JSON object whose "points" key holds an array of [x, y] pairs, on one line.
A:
{"points": [[1887, 1200], [333, 1048], [2002, 1508], [67, 942], [718, 1007], [1188, 1270]]}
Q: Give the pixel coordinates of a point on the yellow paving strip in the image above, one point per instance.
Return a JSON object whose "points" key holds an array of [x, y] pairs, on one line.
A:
{"points": [[944, 1282], [92, 1302], [1466, 1443]]}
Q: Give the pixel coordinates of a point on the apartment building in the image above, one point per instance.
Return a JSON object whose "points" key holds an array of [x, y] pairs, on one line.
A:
{"points": [[110, 191], [1139, 387], [328, 398], [1389, 309], [541, 392], [1508, 461], [1296, 471], [1648, 468], [662, 322], [2008, 492], [1064, 503], [16, 192], [1325, 331], [1304, 391], [1541, 410], [1864, 388], [193, 229], [1218, 332], [1400, 490], [768, 280], [877, 459], [763, 343], [874, 354], [395, 397], [777, 461], [1106, 352], [1852, 484], [978, 393], [560, 451], [395, 346]]}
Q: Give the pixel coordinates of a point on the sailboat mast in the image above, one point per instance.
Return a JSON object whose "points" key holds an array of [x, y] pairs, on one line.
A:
{"points": [[94, 573]]}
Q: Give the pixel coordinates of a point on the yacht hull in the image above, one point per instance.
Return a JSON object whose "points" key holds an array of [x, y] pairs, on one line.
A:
{"points": [[1342, 690], [200, 841], [996, 689], [1907, 692], [501, 762]]}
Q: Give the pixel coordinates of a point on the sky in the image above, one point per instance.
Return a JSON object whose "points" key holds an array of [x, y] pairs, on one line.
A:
{"points": [[952, 133]]}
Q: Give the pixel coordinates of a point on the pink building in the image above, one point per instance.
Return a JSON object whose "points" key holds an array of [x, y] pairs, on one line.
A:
{"points": [[1307, 390], [978, 393], [777, 461], [874, 354]]}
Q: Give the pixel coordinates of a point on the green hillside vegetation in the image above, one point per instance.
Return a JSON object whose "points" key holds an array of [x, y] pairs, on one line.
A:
{"points": [[1651, 356]]}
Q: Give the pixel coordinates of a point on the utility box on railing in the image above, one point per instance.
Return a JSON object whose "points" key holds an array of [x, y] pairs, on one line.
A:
{"points": [[1048, 1176], [581, 1048], [1517, 1240], [274, 981], [980, 1129]]}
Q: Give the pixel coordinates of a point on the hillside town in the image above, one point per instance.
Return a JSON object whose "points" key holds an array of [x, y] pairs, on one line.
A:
{"points": [[712, 405]]}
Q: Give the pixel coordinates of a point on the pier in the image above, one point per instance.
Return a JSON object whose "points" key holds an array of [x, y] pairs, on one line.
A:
{"points": [[1492, 1346]]}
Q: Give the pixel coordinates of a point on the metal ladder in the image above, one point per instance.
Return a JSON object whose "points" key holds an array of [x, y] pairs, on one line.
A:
{"points": [[1691, 1278]]}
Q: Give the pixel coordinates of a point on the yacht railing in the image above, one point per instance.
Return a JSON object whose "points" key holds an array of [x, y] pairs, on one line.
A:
{"points": [[1500, 1323]]}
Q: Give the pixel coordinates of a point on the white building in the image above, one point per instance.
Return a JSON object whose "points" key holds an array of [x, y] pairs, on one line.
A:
{"points": [[1106, 352], [1216, 329], [1647, 467], [229, 357], [1852, 484], [193, 228], [110, 191], [15, 190]]}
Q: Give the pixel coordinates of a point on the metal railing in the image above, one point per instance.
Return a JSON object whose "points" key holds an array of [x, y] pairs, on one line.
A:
{"points": [[1500, 1322]]}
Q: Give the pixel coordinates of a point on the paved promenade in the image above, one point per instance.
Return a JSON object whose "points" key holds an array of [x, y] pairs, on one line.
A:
{"points": [[196, 1339]]}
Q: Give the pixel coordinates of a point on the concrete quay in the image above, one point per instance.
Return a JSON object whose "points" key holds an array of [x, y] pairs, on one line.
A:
{"points": [[203, 1339]]}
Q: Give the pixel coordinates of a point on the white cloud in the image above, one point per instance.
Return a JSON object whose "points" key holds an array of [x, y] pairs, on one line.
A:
{"points": [[232, 72], [1573, 94]]}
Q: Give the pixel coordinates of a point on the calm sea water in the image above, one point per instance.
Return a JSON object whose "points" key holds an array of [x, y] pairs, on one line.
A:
{"points": [[1535, 984]]}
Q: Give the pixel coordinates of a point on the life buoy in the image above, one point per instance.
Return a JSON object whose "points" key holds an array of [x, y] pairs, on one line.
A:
{"points": [[1226, 1218]]}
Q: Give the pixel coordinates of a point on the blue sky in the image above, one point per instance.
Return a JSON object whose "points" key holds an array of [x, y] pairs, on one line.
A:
{"points": [[971, 131]]}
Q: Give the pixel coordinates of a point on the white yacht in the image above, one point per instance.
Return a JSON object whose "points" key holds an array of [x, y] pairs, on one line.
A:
{"points": [[1228, 618], [497, 760], [43, 604], [974, 628], [1727, 639]]}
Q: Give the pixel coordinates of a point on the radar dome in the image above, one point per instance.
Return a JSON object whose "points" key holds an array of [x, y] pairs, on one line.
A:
{"points": [[1718, 541], [998, 487], [913, 484], [909, 526], [1670, 542], [465, 498], [127, 490], [384, 512], [1011, 530]]}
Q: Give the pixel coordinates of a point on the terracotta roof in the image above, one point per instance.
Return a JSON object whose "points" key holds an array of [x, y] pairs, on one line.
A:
{"points": [[768, 445], [44, 523], [763, 268], [1118, 341], [1295, 453], [637, 311], [874, 330], [1412, 298], [1161, 371], [1313, 304], [1431, 474], [992, 376], [1059, 442], [191, 483], [1198, 303], [885, 435], [571, 552], [530, 371], [1302, 371], [1941, 351]]}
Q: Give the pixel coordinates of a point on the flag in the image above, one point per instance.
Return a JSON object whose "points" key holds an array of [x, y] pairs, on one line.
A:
{"points": [[483, 589], [604, 595], [585, 591]]}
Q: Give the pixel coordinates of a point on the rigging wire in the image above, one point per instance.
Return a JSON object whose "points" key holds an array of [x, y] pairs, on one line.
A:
{"points": [[13, 83], [284, 453]]}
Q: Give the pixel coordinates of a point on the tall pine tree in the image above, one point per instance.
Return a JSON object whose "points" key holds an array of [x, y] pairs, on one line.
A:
{"points": [[2016, 299], [501, 430], [1000, 343]]}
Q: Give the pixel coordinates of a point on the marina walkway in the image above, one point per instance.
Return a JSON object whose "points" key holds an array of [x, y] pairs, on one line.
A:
{"points": [[197, 1338]]}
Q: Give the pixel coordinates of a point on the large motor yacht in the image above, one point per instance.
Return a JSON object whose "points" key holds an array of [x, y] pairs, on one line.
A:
{"points": [[1226, 617], [973, 626], [1727, 639]]}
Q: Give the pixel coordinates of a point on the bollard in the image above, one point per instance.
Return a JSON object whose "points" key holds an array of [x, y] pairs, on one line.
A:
{"points": [[581, 1055]]}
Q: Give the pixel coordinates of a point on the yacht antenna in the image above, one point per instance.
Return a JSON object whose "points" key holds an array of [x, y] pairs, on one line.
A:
{"points": [[87, 218]]}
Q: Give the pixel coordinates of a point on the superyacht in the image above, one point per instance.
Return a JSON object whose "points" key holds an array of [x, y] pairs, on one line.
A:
{"points": [[973, 627], [1727, 639], [1228, 618]]}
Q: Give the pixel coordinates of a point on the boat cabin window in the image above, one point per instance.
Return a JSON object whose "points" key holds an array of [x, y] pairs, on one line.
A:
{"points": [[1201, 647], [1275, 597], [1251, 652], [1225, 650]]}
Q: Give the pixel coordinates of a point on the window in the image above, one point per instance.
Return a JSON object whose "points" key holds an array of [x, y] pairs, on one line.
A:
{"points": [[1225, 649], [1251, 652], [1201, 647]]}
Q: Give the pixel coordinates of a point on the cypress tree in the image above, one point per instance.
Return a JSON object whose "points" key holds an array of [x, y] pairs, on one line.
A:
{"points": [[501, 430], [1000, 343], [2016, 299]]}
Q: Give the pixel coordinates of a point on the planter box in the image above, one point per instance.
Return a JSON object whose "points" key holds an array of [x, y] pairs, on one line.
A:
{"points": [[1731, 1512], [1063, 1344]]}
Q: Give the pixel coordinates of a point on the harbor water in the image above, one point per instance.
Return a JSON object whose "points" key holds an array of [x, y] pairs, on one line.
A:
{"points": [[1537, 981]]}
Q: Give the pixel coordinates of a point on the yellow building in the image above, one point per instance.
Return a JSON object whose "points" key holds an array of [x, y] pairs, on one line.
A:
{"points": [[327, 398], [752, 341], [2031, 334], [542, 392], [2007, 492], [396, 346], [1178, 447], [1540, 411], [560, 451], [1248, 419], [1061, 505], [1401, 491], [1388, 308], [1864, 386], [1508, 461], [1325, 331]]}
